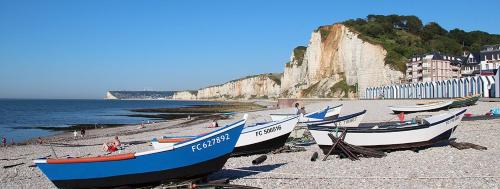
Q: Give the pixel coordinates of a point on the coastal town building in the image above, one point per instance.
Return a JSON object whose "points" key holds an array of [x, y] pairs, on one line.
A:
{"points": [[432, 67], [490, 59], [470, 65]]}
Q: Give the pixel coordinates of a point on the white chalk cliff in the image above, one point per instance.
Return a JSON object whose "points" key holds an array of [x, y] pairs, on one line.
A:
{"points": [[335, 63], [259, 86], [336, 59], [185, 95]]}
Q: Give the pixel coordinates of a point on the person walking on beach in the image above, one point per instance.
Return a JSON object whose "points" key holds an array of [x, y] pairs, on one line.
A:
{"points": [[4, 141], [82, 133], [75, 134]]}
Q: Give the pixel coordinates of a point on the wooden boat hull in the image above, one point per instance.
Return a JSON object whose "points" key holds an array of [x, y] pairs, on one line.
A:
{"points": [[265, 137], [421, 108], [197, 157], [436, 128], [466, 101]]}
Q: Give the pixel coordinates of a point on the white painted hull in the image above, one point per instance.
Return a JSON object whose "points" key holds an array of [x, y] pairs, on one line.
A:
{"points": [[307, 117], [421, 108], [260, 133], [386, 137], [252, 134], [352, 120], [334, 112]]}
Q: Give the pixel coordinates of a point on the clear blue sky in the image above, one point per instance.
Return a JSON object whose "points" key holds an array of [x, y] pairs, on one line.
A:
{"points": [[81, 49]]}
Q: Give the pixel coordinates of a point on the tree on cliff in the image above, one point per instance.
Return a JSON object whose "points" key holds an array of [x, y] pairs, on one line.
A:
{"points": [[405, 36]]}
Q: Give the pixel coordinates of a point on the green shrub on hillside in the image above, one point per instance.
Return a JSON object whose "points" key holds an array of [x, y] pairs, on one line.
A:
{"points": [[299, 53], [406, 36]]}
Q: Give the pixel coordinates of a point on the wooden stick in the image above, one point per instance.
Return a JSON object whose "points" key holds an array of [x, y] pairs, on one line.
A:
{"points": [[335, 143]]}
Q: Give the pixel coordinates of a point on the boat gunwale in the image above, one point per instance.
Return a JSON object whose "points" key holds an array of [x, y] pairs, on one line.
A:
{"points": [[384, 130], [342, 118], [177, 145]]}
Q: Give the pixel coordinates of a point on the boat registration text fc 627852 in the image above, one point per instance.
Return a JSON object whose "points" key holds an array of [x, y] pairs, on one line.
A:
{"points": [[268, 130], [210, 142]]}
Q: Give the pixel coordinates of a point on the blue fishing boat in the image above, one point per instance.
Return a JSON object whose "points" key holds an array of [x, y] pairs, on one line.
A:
{"points": [[197, 157], [314, 116]]}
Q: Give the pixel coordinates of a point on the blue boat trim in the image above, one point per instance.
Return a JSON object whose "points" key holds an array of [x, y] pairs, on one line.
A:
{"points": [[342, 118], [148, 179], [212, 146]]}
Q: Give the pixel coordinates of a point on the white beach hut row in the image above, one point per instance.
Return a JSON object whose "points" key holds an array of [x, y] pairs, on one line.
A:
{"points": [[453, 88]]}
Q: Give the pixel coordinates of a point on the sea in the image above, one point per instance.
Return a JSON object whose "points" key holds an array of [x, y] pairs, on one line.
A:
{"points": [[22, 119]]}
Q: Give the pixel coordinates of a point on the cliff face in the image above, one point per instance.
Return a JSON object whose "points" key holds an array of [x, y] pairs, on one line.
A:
{"points": [[335, 61], [138, 95], [185, 95], [260, 86]]}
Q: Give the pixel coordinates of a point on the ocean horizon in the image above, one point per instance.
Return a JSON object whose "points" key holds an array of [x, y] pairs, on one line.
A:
{"points": [[23, 119]]}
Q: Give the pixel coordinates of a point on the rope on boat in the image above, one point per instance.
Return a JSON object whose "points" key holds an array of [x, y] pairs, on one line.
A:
{"points": [[301, 176]]}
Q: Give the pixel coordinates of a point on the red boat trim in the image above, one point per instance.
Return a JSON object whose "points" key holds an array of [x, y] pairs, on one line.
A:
{"points": [[172, 140], [92, 159]]}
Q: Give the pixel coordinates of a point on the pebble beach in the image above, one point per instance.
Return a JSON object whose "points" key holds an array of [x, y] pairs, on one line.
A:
{"points": [[437, 167]]}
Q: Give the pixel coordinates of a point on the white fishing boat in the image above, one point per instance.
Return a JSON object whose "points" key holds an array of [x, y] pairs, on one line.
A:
{"points": [[264, 137], [333, 112], [317, 115], [352, 120], [390, 137], [421, 107], [254, 139]]}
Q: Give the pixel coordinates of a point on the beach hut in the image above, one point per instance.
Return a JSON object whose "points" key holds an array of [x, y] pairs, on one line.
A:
{"points": [[497, 83], [427, 90], [439, 89], [466, 81], [449, 89], [417, 93], [433, 89], [454, 88], [461, 87], [491, 86], [404, 91], [473, 85]]}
